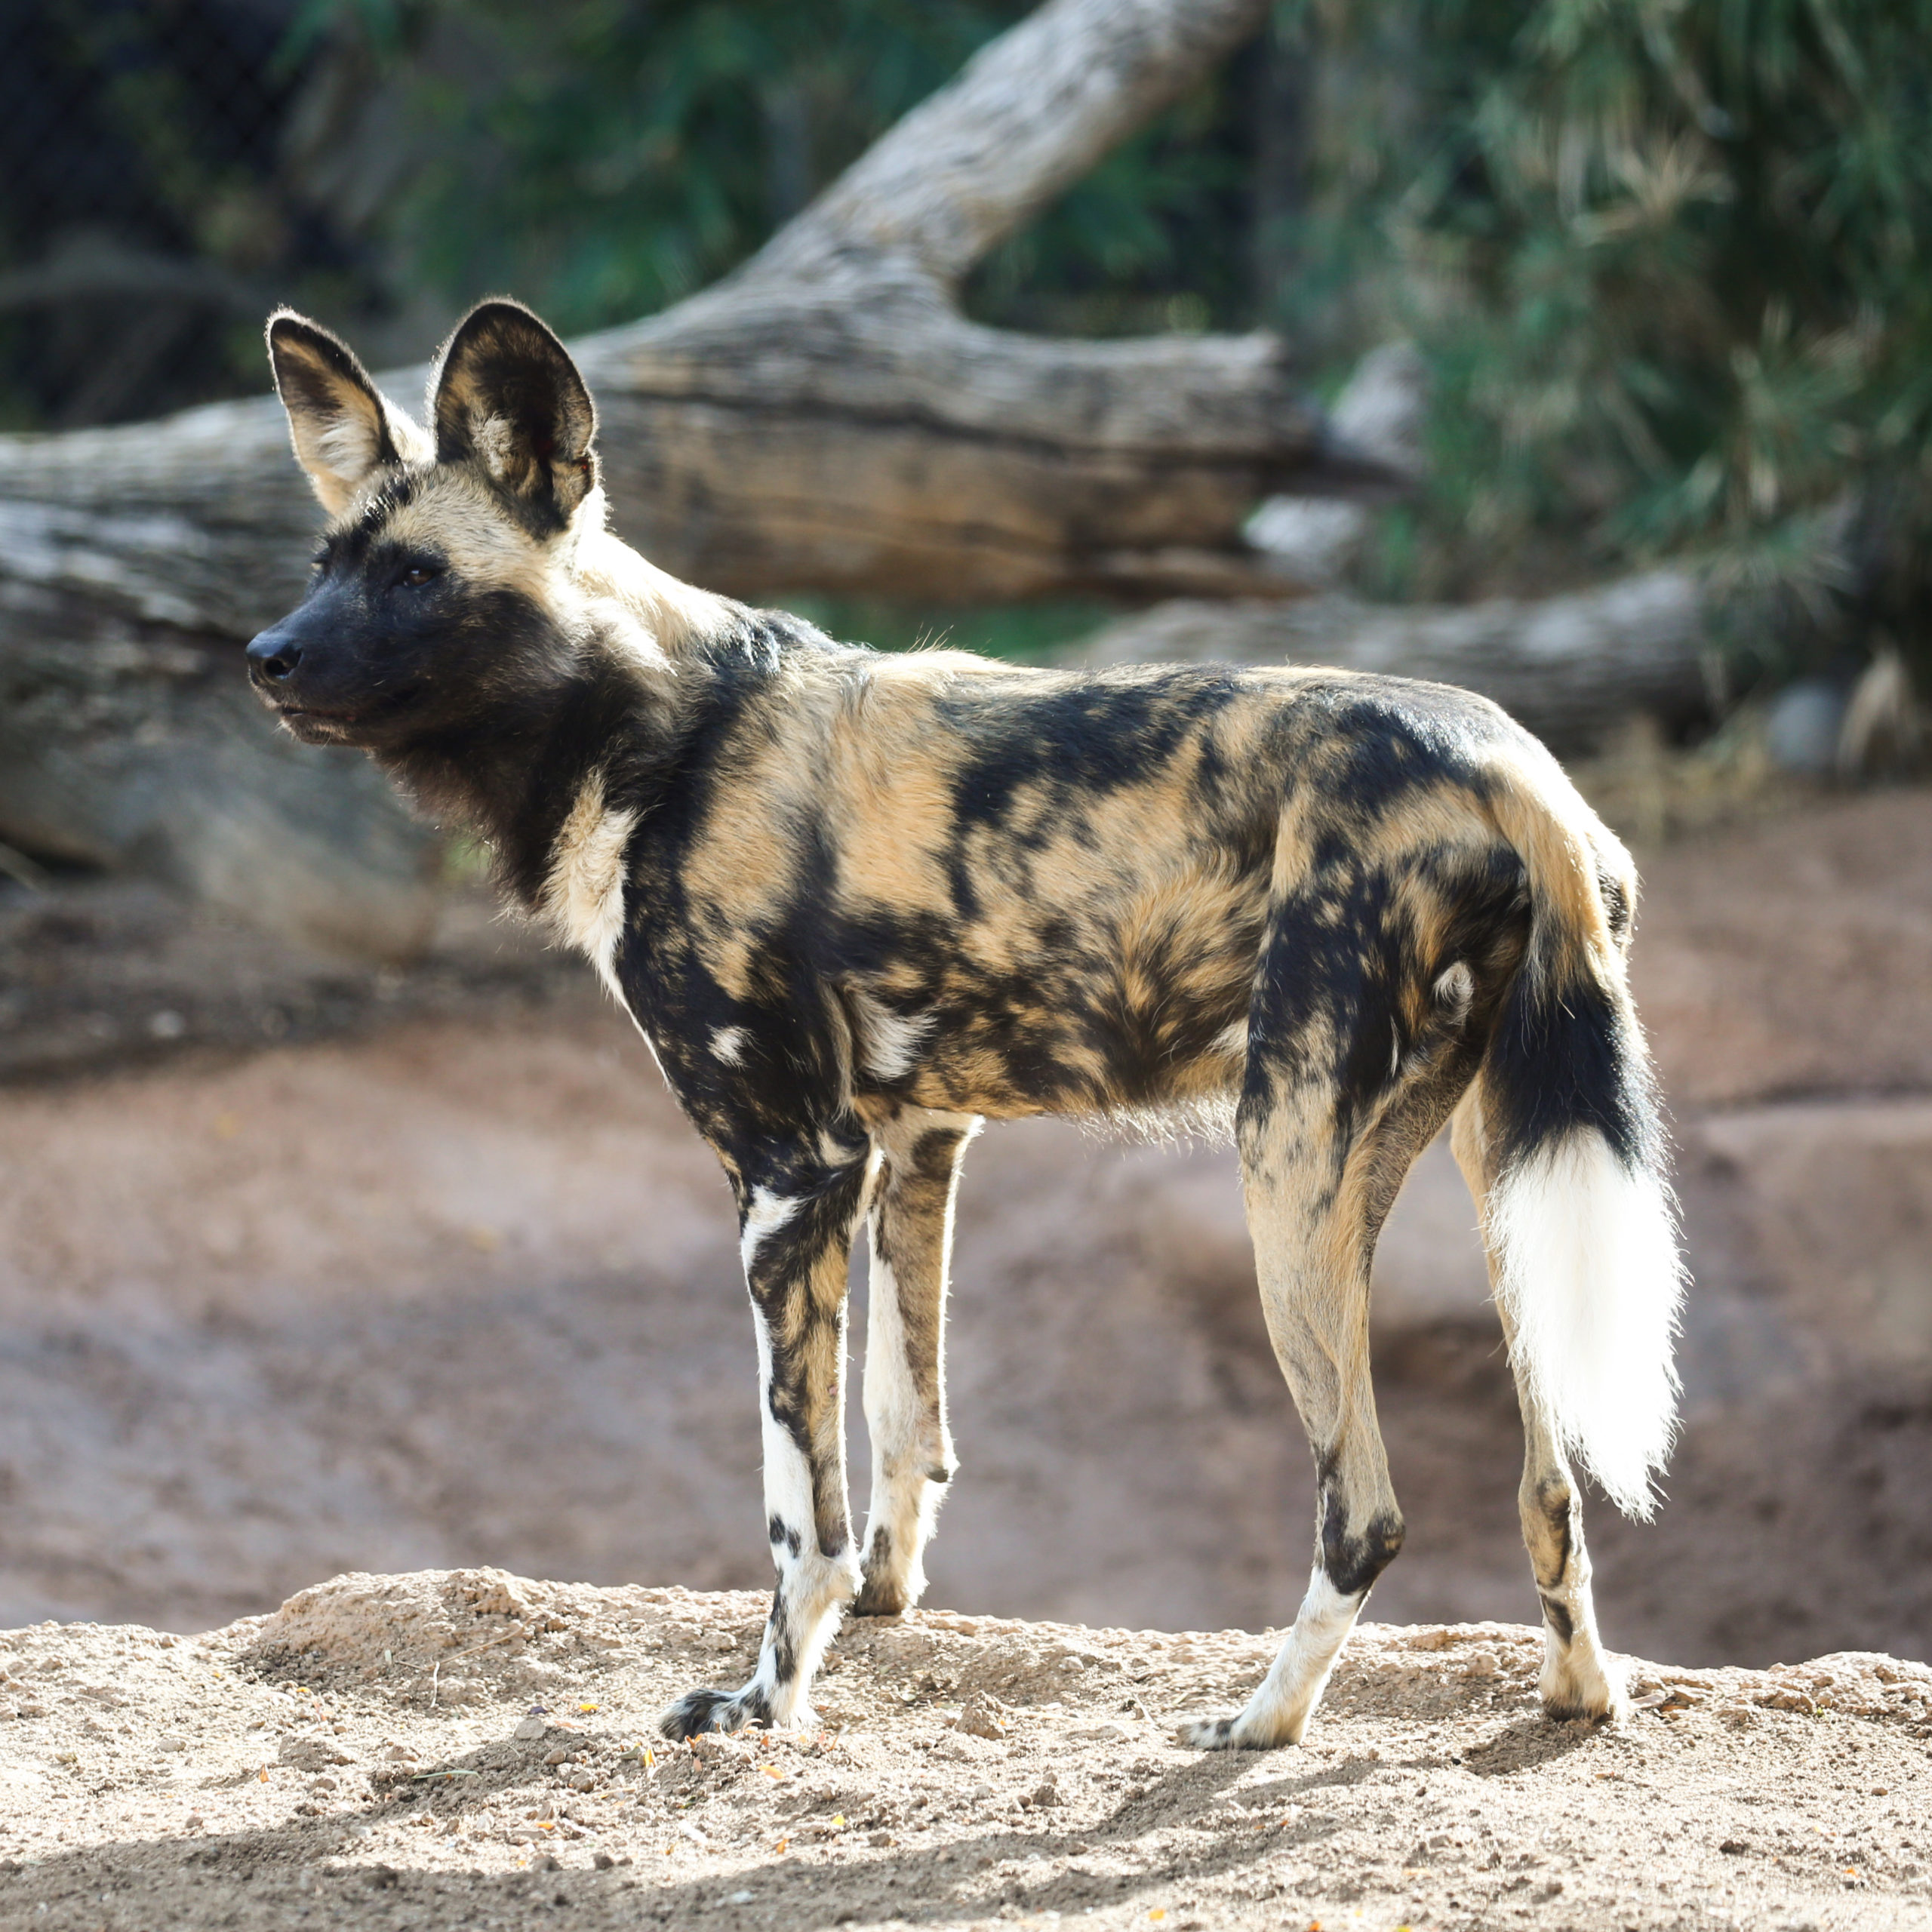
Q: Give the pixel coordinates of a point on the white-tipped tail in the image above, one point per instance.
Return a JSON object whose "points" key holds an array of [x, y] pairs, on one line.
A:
{"points": [[1589, 1272]]}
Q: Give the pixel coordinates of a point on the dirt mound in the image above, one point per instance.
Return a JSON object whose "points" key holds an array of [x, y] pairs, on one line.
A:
{"points": [[460, 1749]]}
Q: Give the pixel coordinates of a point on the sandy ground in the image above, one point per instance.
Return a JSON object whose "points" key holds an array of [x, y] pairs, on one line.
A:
{"points": [[469, 1749]]}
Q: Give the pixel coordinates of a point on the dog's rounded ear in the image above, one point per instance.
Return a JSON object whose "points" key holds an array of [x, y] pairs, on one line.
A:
{"points": [[344, 428], [507, 395]]}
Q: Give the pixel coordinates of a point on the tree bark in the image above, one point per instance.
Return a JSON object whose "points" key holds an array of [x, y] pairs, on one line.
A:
{"points": [[1566, 666]]}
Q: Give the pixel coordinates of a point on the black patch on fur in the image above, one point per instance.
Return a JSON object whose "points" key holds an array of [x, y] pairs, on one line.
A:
{"points": [[1090, 738], [1557, 1617], [697, 1711], [780, 1638], [1559, 1507], [1352, 1563], [1562, 1058], [1616, 906], [877, 1596]]}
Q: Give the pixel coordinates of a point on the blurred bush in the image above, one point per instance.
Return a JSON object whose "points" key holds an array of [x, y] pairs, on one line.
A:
{"points": [[1666, 259], [606, 158], [150, 204]]}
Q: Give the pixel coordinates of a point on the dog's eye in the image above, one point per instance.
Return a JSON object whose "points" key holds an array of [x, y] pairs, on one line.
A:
{"points": [[418, 575]]}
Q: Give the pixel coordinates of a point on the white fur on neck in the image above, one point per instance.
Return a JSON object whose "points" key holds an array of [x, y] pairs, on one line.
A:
{"points": [[585, 896]]}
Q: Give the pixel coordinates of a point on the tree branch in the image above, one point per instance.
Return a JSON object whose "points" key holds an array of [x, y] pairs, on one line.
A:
{"points": [[1026, 118], [1566, 666]]}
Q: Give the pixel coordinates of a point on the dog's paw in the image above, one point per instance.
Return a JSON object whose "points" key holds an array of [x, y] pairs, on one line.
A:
{"points": [[1215, 1734], [879, 1596], [699, 1711], [1574, 1687]]}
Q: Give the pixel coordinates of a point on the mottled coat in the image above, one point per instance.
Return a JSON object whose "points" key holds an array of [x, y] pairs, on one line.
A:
{"points": [[858, 902]]}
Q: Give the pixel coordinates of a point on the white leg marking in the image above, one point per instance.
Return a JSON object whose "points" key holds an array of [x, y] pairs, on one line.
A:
{"points": [[1279, 1711], [813, 1588], [1578, 1680], [905, 1445], [812, 1591], [728, 1043], [768, 1213]]}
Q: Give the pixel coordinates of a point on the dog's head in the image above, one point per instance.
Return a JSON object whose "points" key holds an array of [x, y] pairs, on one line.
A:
{"points": [[437, 584]]}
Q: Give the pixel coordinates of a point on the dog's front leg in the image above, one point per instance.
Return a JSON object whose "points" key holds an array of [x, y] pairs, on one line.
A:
{"points": [[912, 1241], [796, 1221]]}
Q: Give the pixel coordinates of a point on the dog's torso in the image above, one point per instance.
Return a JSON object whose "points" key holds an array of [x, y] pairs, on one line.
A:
{"points": [[860, 882]]}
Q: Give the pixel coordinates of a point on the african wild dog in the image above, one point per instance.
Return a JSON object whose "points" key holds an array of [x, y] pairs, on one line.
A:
{"points": [[856, 902]]}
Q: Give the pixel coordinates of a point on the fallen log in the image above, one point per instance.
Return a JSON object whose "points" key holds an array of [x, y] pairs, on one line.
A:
{"points": [[1566, 667], [824, 417]]}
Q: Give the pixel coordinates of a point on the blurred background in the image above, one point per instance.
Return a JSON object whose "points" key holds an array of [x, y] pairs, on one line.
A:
{"points": [[1579, 354]]}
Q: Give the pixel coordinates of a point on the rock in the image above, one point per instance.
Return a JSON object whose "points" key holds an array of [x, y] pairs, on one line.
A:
{"points": [[980, 1717], [306, 1754], [1802, 733]]}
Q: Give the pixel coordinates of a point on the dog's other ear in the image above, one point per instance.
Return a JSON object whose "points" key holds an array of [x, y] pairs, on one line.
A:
{"points": [[507, 395], [343, 429]]}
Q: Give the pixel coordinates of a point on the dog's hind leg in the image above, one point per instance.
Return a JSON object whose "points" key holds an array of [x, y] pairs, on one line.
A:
{"points": [[1578, 1680], [1360, 1043], [911, 1229], [1312, 1245], [797, 1209]]}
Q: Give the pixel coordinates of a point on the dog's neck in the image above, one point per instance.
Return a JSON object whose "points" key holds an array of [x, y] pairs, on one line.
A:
{"points": [[616, 694], [512, 771], [676, 618]]}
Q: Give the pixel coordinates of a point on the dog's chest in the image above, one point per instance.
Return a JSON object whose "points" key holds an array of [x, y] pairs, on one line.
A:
{"points": [[584, 895]]}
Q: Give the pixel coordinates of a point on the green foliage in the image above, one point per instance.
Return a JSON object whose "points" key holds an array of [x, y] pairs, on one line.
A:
{"points": [[1666, 258], [604, 158]]}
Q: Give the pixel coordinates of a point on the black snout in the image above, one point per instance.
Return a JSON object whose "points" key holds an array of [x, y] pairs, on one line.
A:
{"points": [[273, 657]]}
